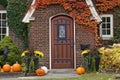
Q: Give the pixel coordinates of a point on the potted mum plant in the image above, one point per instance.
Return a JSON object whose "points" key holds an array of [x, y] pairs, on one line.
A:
{"points": [[30, 61], [91, 59]]}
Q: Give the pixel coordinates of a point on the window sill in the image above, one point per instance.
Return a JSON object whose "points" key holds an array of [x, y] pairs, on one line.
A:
{"points": [[106, 38]]}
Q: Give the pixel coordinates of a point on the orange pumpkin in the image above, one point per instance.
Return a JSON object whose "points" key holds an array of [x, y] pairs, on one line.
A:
{"points": [[16, 67], [80, 70], [0, 68], [40, 72], [6, 68]]}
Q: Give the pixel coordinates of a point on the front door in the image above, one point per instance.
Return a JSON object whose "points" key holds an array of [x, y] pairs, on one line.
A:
{"points": [[62, 42]]}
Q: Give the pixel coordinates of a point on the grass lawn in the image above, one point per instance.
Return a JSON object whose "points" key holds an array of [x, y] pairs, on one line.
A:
{"points": [[87, 76]]}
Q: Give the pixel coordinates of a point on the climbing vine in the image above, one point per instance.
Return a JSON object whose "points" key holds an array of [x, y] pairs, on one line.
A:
{"points": [[105, 5], [15, 13], [79, 10], [3, 2]]}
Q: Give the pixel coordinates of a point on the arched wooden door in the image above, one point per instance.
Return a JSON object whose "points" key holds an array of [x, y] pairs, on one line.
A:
{"points": [[62, 42]]}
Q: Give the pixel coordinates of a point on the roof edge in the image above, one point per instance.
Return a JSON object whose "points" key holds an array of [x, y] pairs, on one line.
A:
{"points": [[29, 14], [95, 15]]}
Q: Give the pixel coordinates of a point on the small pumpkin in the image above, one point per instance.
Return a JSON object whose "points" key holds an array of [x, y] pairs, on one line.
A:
{"points": [[16, 67], [80, 70], [6, 67], [0, 68], [40, 72], [45, 69]]}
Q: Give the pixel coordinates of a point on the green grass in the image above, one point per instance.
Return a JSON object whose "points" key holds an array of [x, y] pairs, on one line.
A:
{"points": [[87, 76]]}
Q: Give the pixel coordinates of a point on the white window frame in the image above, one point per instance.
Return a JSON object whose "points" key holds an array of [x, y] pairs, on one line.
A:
{"points": [[7, 28], [107, 37]]}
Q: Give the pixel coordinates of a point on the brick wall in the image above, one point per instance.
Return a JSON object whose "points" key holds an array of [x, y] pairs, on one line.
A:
{"points": [[39, 37], [82, 37], [39, 33], [16, 40]]}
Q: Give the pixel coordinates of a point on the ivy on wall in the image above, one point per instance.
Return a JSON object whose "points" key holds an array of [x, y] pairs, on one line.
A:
{"points": [[15, 12], [3, 2], [116, 38]]}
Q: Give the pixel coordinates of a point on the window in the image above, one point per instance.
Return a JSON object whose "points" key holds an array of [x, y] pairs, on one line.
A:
{"points": [[3, 24], [61, 31], [106, 27]]}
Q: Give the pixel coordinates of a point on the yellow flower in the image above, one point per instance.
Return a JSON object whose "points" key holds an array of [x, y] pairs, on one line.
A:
{"points": [[23, 54], [85, 52], [102, 50], [39, 53]]}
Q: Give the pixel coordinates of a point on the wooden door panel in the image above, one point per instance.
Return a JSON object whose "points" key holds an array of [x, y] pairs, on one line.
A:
{"points": [[62, 42]]}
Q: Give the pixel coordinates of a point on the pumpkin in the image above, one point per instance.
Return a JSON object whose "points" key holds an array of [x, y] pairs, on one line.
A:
{"points": [[0, 68], [6, 68], [45, 69], [80, 70], [16, 67], [40, 72]]}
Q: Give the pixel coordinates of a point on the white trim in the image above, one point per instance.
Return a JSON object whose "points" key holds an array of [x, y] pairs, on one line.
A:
{"points": [[7, 28], [3, 11], [29, 14], [107, 37], [50, 43], [74, 47], [93, 10], [50, 65]]}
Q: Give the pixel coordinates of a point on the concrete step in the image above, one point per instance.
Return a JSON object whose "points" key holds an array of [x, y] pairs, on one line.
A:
{"points": [[11, 74], [54, 73], [62, 71]]}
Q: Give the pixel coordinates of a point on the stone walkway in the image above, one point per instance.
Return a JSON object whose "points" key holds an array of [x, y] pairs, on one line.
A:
{"points": [[61, 73]]}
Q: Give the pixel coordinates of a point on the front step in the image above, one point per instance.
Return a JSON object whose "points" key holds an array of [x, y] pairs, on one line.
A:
{"points": [[62, 71], [11, 74]]}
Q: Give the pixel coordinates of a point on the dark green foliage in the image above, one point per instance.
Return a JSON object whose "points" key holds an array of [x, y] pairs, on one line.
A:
{"points": [[116, 38], [3, 2], [12, 58], [2, 60], [16, 10], [91, 60], [31, 66], [13, 54]]}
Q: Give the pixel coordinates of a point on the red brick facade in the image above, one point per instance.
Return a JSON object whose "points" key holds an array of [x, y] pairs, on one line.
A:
{"points": [[39, 32]]}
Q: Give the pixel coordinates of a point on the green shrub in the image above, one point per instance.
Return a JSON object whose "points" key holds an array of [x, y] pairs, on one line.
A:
{"points": [[13, 54], [2, 60], [111, 58]]}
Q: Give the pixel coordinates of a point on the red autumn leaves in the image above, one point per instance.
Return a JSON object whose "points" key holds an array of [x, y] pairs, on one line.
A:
{"points": [[79, 10]]}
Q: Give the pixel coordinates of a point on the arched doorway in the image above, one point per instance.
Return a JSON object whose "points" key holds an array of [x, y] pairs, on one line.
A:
{"points": [[62, 42]]}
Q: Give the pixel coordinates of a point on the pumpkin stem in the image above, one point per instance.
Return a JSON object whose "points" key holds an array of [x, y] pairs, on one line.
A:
{"points": [[16, 62], [6, 63]]}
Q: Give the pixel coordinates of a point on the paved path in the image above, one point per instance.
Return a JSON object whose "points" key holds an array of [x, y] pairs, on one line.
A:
{"points": [[62, 73]]}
